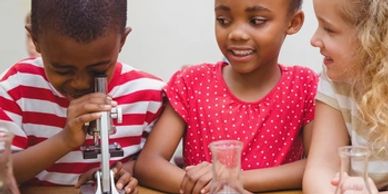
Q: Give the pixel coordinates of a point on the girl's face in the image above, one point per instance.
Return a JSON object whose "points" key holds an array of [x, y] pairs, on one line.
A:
{"points": [[336, 38], [250, 32]]}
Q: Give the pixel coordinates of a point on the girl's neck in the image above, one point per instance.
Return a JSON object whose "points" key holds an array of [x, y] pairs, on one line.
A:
{"points": [[252, 86]]}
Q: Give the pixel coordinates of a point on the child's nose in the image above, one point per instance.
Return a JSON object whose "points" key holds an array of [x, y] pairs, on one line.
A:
{"points": [[238, 34], [81, 82], [315, 41]]}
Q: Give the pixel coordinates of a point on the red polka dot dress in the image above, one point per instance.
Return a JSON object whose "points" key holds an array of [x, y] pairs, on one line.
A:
{"points": [[270, 128]]}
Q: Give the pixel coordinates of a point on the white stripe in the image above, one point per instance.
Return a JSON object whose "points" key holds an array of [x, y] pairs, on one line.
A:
{"points": [[58, 178], [73, 156], [41, 106], [141, 107], [41, 131], [142, 143], [12, 127], [49, 131], [17, 119], [128, 131], [127, 68], [154, 106], [136, 85], [35, 61], [150, 126], [4, 92], [31, 80]]}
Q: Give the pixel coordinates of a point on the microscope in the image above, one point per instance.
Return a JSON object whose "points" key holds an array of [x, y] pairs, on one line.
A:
{"points": [[100, 130]]}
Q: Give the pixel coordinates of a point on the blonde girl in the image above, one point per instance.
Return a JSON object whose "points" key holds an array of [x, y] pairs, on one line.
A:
{"points": [[352, 99]]}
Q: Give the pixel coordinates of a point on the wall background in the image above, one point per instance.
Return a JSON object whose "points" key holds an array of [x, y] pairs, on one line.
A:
{"points": [[165, 36]]}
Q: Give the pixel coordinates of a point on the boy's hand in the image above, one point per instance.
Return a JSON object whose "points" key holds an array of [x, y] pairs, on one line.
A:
{"points": [[87, 176], [197, 179], [82, 110], [124, 179]]}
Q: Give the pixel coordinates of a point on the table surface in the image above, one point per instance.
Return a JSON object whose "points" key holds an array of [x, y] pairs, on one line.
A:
{"points": [[72, 190]]}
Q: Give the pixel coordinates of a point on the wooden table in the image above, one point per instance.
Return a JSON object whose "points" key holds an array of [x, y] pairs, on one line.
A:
{"points": [[72, 190]]}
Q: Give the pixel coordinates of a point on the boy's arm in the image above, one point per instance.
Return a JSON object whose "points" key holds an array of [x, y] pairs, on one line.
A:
{"points": [[35, 159], [30, 162], [323, 163], [153, 168]]}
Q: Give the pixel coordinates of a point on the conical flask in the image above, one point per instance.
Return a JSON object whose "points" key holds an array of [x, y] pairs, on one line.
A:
{"points": [[354, 169], [226, 162]]}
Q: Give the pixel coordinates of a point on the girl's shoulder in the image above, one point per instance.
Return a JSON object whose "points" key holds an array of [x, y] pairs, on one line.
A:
{"points": [[298, 70], [299, 77], [199, 70], [300, 73]]}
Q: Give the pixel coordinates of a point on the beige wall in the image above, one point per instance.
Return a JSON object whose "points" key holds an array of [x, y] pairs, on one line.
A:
{"points": [[12, 34], [166, 35]]}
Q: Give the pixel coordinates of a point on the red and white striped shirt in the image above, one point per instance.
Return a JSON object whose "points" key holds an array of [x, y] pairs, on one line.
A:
{"points": [[35, 111]]}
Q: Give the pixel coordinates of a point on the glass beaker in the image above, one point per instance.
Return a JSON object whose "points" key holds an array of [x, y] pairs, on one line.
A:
{"points": [[354, 164], [7, 180], [226, 162]]}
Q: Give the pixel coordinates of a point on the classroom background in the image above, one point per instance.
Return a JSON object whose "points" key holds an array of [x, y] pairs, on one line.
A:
{"points": [[166, 35]]}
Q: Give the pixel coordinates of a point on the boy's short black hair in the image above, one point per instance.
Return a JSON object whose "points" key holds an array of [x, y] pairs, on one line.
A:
{"points": [[295, 5], [82, 20]]}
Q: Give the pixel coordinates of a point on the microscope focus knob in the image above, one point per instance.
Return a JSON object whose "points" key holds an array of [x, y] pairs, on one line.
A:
{"points": [[117, 113]]}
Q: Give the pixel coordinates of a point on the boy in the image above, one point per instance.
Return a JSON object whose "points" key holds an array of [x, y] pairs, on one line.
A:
{"points": [[49, 99], [251, 98]]}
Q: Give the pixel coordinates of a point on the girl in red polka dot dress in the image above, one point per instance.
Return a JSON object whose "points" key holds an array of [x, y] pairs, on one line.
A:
{"points": [[251, 98]]}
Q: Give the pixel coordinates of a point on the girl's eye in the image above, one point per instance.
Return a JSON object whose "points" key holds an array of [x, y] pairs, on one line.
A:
{"points": [[257, 20], [329, 30], [222, 20], [326, 28]]}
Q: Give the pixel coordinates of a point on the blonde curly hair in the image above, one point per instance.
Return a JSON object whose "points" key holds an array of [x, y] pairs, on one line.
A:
{"points": [[370, 89]]}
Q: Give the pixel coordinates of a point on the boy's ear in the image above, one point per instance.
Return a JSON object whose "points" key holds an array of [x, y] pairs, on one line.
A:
{"points": [[296, 22], [33, 37], [124, 36]]}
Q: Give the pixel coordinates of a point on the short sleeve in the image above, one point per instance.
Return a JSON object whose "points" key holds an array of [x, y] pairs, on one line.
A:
{"points": [[10, 113], [310, 91], [20, 140], [177, 93], [326, 92]]}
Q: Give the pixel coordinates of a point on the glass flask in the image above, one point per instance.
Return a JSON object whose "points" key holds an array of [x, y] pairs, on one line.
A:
{"points": [[226, 162], [8, 183], [354, 166]]}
